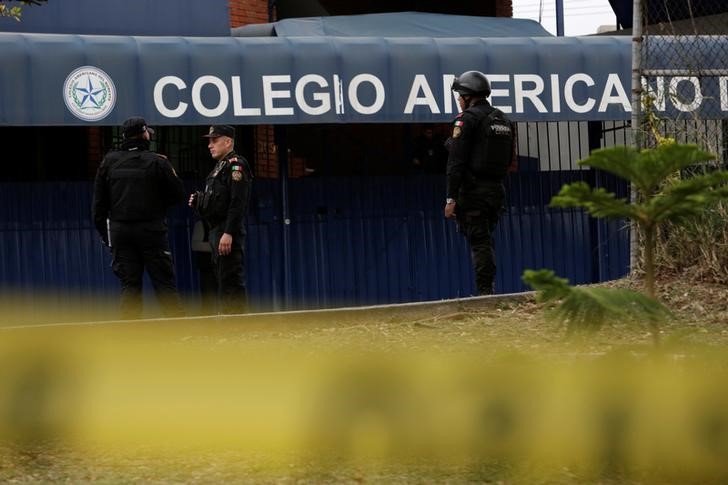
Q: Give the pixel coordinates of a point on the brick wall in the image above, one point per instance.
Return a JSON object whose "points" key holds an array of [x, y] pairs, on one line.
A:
{"points": [[94, 149], [504, 8], [244, 12], [266, 152]]}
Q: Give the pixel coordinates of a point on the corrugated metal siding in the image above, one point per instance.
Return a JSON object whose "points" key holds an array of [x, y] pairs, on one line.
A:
{"points": [[355, 240]]}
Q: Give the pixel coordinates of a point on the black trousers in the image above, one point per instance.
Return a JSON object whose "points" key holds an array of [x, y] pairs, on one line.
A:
{"points": [[137, 246], [208, 282], [229, 272], [477, 226]]}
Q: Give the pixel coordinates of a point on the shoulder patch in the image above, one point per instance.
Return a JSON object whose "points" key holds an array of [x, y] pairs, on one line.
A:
{"points": [[236, 168]]}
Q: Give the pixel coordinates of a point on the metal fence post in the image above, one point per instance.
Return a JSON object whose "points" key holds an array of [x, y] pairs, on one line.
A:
{"points": [[636, 111]]}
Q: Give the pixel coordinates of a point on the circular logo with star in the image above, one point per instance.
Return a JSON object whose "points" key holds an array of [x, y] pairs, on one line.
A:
{"points": [[89, 93]]}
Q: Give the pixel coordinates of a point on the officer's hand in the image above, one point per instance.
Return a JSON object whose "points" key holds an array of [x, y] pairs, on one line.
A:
{"points": [[226, 242], [450, 210], [193, 200], [105, 242]]}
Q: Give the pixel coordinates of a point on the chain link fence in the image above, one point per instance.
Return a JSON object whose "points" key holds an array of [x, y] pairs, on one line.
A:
{"points": [[684, 67]]}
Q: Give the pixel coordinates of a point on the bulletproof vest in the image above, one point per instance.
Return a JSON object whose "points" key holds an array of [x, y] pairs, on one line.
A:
{"points": [[134, 188], [493, 144], [215, 199]]}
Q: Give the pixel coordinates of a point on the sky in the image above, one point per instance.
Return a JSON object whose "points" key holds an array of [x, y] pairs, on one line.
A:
{"points": [[581, 17]]}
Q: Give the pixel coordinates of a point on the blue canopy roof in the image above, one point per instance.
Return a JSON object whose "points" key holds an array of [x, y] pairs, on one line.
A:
{"points": [[398, 24], [48, 79]]}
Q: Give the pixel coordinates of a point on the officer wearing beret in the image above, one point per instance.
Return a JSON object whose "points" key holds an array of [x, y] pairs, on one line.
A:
{"points": [[223, 205], [133, 189], [481, 150]]}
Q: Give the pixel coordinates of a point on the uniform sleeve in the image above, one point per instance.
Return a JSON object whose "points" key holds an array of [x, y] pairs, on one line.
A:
{"points": [[460, 146], [101, 201], [173, 187], [239, 193]]}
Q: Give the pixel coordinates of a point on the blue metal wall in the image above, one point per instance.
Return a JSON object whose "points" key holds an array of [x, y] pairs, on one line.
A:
{"points": [[358, 240], [130, 17]]}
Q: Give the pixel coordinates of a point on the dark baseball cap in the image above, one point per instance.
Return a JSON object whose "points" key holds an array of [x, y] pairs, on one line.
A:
{"points": [[220, 130], [135, 126]]}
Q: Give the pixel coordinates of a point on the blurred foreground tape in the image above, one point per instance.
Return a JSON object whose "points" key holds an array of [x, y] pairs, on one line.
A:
{"points": [[168, 388]]}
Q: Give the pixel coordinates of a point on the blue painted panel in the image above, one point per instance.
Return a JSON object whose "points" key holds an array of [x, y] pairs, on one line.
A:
{"points": [[130, 17], [354, 241]]}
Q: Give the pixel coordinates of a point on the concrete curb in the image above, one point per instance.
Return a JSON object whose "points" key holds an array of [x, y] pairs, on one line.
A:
{"points": [[397, 310]]}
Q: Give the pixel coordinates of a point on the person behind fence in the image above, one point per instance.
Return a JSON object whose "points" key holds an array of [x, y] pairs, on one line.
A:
{"points": [[429, 154], [223, 204], [480, 152], [133, 189], [201, 252]]}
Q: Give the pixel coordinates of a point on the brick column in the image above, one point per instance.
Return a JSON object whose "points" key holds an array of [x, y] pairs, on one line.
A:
{"points": [[244, 12], [94, 150], [504, 8], [266, 152]]}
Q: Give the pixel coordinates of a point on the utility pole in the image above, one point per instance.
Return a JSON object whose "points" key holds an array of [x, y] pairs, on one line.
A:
{"points": [[560, 18]]}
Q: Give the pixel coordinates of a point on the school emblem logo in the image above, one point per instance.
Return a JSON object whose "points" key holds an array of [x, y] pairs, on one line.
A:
{"points": [[89, 93]]}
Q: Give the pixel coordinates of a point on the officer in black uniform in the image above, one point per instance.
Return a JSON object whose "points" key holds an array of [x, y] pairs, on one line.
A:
{"points": [[481, 149], [134, 187], [223, 205]]}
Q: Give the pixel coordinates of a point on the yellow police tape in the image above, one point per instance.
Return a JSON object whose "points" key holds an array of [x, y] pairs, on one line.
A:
{"points": [[212, 386]]}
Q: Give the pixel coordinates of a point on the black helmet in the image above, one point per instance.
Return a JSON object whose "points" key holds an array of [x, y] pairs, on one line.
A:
{"points": [[472, 83]]}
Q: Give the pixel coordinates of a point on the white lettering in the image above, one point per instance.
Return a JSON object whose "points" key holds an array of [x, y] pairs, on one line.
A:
{"points": [[315, 95], [221, 90], [378, 91], [569, 93], [159, 99], [657, 94], [499, 93], [269, 95], [324, 99], [532, 94], [428, 99], [613, 82], [555, 94], [677, 100], [338, 94], [448, 93], [238, 100]]}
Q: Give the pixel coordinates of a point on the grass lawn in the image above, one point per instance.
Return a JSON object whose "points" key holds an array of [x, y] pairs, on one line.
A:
{"points": [[446, 393]]}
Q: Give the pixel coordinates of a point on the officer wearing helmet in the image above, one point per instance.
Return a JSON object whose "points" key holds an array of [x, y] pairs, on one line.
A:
{"points": [[481, 149], [133, 189]]}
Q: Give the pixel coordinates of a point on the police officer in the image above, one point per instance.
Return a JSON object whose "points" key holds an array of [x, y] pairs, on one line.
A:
{"points": [[223, 205], [133, 189], [481, 149]]}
